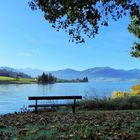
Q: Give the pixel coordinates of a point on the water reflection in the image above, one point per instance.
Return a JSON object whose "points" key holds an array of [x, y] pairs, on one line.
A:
{"points": [[15, 96]]}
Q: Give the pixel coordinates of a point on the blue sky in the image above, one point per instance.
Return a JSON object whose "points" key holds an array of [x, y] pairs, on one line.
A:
{"points": [[27, 40]]}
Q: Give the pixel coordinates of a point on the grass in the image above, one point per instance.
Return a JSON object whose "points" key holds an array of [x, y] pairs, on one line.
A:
{"points": [[130, 102], [4, 78], [11, 80], [84, 125]]}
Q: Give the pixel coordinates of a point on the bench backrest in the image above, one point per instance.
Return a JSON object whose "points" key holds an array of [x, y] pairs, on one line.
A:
{"points": [[53, 97]]}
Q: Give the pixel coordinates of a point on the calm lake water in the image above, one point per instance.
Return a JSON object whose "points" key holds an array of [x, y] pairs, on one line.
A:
{"points": [[14, 97]]}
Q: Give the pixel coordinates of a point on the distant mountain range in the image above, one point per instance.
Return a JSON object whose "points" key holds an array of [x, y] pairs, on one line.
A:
{"points": [[11, 72], [97, 73]]}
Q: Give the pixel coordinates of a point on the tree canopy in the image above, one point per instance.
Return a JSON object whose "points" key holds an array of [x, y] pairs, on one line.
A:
{"points": [[79, 17], [134, 28], [46, 78]]}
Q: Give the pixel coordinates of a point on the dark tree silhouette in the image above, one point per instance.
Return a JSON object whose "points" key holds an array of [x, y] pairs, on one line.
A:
{"points": [[79, 17], [46, 78], [85, 79], [134, 28]]}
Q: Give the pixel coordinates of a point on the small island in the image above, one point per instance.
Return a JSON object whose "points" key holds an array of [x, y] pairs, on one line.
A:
{"points": [[77, 80], [49, 78]]}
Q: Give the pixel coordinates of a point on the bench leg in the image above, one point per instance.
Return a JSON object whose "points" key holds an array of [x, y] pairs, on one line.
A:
{"points": [[73, 109], [36, 107]]}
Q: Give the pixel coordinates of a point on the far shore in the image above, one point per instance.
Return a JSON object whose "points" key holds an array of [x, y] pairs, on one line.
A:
{"points": [[13, 80]]}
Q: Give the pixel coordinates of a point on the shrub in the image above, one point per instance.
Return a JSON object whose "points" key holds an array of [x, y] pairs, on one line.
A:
{"points": [[135, 90], [130, 102], [119, 94]]}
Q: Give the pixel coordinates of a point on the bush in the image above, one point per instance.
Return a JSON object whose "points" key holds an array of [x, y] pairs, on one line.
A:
{"points": [[119, 101], [135, 90], [130, 102], [120, 94]]}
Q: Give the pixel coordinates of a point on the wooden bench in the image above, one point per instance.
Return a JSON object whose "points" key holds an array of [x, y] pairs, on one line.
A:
{"points": [[36, 98]]}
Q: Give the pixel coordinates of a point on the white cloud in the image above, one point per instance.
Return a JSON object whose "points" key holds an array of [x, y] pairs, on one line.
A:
{"points": [[36, 50], [25, 54]]}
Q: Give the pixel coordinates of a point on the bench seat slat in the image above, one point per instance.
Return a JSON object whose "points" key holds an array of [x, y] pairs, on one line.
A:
{"points": [[50, 105], [54, 97]]}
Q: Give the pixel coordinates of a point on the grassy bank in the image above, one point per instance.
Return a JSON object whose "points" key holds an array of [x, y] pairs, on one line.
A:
{"points": [[88, 125], [125, 103], [11, 80]]}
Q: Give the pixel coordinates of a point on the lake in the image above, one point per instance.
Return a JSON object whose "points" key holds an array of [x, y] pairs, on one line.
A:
{"points": [[14, 97]]}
